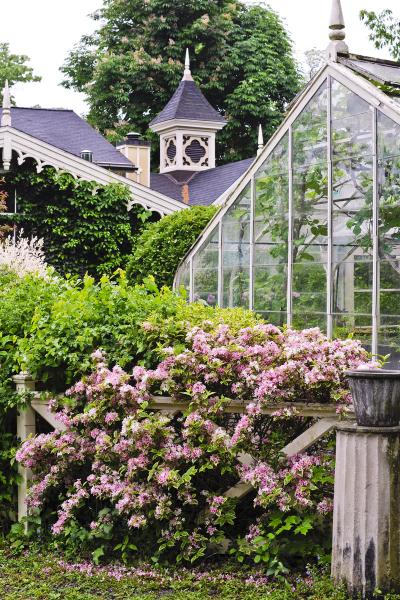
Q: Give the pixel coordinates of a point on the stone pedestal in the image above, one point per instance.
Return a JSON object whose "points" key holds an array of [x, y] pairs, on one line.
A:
{"points": [[366, 520]]}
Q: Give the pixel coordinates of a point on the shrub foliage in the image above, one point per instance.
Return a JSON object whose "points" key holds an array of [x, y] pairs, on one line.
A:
{"points": [[162, 245]]}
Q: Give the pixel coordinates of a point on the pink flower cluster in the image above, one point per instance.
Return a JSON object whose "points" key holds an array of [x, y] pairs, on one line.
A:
{"points": [[259, 365]]}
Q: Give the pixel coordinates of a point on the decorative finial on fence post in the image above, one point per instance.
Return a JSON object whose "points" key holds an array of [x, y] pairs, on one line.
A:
{"points": [[260, 144], [337, 32], [187, 74], [6, 114]]}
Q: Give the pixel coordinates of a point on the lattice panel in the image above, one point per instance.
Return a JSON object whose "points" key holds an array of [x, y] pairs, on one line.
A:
{"points": [[195, 151]]}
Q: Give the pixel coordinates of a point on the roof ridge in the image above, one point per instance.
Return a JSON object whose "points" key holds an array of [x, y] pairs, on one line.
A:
{"points": [[382, 61], [42, 108]]}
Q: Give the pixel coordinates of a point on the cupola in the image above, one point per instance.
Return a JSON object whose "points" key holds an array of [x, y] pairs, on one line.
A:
{"points": [[187, 127]]}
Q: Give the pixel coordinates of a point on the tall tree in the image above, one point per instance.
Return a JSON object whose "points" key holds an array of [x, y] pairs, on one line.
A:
{"points": [[384, 30], [241, 57], [14, 67]]}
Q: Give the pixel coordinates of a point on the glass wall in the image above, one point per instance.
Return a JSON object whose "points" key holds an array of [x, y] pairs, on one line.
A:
{"points": [[313, 239], [389, 238], [271, 225], [310, 214]]}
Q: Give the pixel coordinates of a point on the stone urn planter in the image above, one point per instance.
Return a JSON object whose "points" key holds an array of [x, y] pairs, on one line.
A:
{"points": [[376, 397]]}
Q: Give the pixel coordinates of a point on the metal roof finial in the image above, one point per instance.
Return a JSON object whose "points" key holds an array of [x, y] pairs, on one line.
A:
{"points": [[6, 113], [187, 75], [260, 145], [337, 33]]}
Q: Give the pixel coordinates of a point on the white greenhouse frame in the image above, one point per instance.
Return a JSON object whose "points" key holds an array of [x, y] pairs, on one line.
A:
{"points": [[377, 99]]}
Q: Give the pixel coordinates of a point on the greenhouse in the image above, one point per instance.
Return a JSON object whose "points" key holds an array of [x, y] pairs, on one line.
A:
{"points": [[310, 237]]}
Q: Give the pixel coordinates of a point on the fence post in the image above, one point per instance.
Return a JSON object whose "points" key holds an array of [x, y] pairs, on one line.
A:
{"points": [[25, 427], [366, 519]]}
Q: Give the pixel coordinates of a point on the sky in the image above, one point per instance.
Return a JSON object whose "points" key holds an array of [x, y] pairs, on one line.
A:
{"points": [[46, 30]]}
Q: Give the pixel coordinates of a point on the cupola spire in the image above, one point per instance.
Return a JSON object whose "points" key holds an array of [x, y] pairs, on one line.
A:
{"points": [[187, 75], [6, 113], [337, 32], [260, 144]]}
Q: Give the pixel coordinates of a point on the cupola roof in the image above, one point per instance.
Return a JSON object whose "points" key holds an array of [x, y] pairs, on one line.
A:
{"points": [[188, 103]]}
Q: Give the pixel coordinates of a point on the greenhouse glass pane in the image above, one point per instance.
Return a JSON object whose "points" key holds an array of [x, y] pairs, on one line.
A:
{"points": [[236, 283], [271, 230], [310, 131], [352, 287], [389, 340], [275, 318], [389, 208], [388, 136], [309, 288], [236, 231], [205, 270], [270, 288], [305, 320], [389, 239], [236, 251], [183, 278], [351, 123], [310, 214], [359, 327], [390, 287], [352, 208]]}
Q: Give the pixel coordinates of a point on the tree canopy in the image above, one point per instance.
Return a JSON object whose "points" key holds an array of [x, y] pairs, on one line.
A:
{"points": [[384, 28], [241, 57], [14, 67]]}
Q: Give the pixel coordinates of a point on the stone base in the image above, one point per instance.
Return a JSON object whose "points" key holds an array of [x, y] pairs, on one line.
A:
{"points": [[366, 520]]}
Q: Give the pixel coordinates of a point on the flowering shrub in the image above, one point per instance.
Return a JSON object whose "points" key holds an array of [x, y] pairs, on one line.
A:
{"points": [[123, 477], [23, 257]]}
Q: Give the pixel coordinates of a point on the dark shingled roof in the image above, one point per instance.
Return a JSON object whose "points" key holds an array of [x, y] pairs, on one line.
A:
{"points": [[64, 129], [204, 186], [189, 103]]}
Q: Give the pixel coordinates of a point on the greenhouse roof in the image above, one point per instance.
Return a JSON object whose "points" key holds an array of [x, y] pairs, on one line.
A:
{"points": [[385, 72]]}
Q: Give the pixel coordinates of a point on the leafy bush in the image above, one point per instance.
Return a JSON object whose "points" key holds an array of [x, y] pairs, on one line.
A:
{"points": [[109, 315], [162, 245], [123, 477], [50, 326], [19, 298]]}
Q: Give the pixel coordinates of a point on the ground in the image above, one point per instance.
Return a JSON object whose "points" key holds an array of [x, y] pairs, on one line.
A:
{"points": [[37, 575]]}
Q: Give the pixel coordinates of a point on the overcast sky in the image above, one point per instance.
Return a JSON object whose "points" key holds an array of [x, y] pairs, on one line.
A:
{"points": [[46, 30]]}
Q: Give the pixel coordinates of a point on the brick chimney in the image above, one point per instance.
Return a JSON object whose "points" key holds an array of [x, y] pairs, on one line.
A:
{"points": [[137, 151]]}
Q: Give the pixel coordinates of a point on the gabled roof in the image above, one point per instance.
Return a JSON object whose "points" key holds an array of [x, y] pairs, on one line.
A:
{"points": [[188, 103], [204, 187], [65, 130], [14, 141]]}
